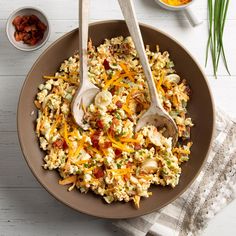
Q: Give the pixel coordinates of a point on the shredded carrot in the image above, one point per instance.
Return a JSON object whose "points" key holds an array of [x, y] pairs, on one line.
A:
{"points": [[128, 98], [127, 109], [119, 84], [159, 84], [122, 147], [90, 169], [127, 72], [68, 142], [104, 77], [129, 140], [81, 144], [175, 101], [120, 171], [95, 150], [55, 124], [81, 162], [119, 145], [91, 130], [68, 180], [113, 79]]}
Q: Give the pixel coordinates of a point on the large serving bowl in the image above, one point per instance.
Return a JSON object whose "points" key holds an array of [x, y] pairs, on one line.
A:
{"points": [[200, 108]]}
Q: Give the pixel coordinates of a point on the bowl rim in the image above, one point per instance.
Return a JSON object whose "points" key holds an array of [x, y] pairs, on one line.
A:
{"points": [[89, 212], [8, 25]]}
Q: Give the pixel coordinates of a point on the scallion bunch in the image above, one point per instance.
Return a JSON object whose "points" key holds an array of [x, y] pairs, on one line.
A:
{"points": [[217, 11]]}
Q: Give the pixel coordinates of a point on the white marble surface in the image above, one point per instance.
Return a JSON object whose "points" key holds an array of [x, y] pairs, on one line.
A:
{"points": [[25, 207]]}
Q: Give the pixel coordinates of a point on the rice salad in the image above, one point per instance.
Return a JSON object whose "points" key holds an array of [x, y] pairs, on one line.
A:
{"points": [[107, 156]]}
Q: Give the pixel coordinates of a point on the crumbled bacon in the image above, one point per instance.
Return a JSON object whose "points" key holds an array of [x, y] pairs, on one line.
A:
{"points": [[113, 90], [126, 177], [137, 146], [100, 124], [29, 29], [98, 173], [60, 143], [65, 146], [119, 104], [95, 139], [106, 64], [129, 164], [107, 144], [118, 152]]}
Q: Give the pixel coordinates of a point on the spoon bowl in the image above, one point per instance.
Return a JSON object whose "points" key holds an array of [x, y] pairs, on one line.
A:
{"points": [[82, 100], [161, 121]]}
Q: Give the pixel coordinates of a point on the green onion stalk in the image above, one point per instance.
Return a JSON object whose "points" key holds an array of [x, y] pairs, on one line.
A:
{"points": [[217, 12]]}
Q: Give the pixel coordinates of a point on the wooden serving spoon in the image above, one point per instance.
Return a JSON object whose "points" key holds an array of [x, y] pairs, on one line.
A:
{"points": [[155, 115], [87, 90]]}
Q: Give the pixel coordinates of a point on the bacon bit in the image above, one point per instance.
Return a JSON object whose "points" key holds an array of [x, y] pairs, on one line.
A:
{"points": [[98, 173], [65, 146], [106, 64], [118, 152], [58, 144], [119, 104], [112, 91], [29, 29], [107, 144], [115, 122], [137, 146], [100, 124], [126, 177], [95, 138], [17, 21]]}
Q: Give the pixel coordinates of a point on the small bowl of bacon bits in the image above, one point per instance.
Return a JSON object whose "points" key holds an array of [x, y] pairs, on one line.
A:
{"points": [[27, 29]]}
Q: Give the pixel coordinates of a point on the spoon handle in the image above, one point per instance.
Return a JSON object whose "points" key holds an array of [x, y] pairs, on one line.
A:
{"points": [[83, 40], [127, 8]]}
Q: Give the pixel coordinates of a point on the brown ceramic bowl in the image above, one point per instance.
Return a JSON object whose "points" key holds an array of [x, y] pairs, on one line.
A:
{"points": [[200, 108]]}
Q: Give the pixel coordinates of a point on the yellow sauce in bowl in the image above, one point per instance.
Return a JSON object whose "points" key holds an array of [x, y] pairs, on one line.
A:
{"points": [[176, 2]]}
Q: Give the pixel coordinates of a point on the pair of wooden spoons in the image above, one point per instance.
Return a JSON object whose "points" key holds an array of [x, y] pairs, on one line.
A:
{"points": [[155, 115]]}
